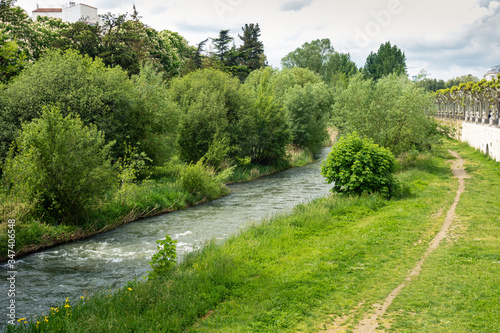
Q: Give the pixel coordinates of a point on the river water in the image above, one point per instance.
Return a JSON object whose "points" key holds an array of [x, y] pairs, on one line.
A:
{"points": [[109, 260]]}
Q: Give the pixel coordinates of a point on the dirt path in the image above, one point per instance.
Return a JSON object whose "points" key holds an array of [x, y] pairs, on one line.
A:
{"points": [[369, 323]]}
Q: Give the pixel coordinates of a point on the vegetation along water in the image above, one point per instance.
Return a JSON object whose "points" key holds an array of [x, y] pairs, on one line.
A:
{"points": [[104, 125]]}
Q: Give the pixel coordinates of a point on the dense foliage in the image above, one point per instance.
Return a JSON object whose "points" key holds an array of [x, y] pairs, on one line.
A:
{"points": [[60, 165], [389, 59], [99, 95], [392, 111], [356, 166], [320, 57], [212, 105]]}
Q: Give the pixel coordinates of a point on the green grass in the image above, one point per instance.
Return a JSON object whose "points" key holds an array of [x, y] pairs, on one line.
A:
{"points": [[296, 157], [459, 287]]}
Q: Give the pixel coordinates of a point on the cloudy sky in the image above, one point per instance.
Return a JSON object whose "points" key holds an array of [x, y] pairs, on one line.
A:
{"points": [[446, 38]]}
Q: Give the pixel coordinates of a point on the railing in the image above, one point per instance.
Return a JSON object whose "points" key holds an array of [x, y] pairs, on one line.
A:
{"points": [[482, 117]]}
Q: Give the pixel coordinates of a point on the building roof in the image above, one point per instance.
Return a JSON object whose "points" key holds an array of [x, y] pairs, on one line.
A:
{"points": [[492, 70], [82, 4], [48, 10]]}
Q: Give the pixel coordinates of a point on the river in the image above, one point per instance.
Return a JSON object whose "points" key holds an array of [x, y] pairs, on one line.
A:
{"points": [[109, 260]]}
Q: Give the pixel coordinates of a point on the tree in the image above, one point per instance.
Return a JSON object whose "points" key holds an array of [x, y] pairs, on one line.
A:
{"points": [[267, 129], [431, 85], [60, 165], [320, 57], [12, 59], [211, 104], [356, 166], [99, 95], [168, 51], [308, 109], [388, 60], [158, 116], [198, 56], [392, 112], [222, 46], [252, 50]]}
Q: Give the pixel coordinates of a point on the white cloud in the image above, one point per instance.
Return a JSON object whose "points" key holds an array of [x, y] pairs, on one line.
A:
{"points": [[295, 5]]}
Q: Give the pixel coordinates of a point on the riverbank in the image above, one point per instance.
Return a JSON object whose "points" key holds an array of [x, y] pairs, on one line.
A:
{"points": [[324, 266], [132, 202]]}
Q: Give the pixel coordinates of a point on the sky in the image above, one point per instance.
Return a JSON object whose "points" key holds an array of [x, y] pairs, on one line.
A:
{"points": [[444, 38]]}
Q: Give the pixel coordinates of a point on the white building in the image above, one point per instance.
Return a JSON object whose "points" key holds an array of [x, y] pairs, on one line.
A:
{"points": [[492, 73], [70, 13]]}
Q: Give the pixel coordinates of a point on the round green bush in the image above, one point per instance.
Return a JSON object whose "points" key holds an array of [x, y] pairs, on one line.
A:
{"points": [[357, 165]]}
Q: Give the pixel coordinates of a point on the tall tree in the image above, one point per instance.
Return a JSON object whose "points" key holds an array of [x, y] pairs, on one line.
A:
{"points": [[198, 57], [388, 59], [222, 45], [252, 50], [320, 57]]}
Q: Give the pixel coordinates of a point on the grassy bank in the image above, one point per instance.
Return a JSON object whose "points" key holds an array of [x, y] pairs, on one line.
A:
{"points": [[329, 259], [166, 189]]}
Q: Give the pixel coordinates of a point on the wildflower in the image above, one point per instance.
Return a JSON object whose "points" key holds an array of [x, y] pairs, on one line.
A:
{"points": [[129, 289], [46, 319], [67, 299], [82, 297], [21, 319], [67, 306]]}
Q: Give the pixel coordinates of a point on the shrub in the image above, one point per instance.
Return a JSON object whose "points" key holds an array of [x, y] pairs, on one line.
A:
{"points": [[163, 260], [202, 182], [357, 166], [60, 165]]}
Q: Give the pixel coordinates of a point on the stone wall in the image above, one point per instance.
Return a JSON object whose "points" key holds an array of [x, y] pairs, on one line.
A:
{"points": [[484, 138]]}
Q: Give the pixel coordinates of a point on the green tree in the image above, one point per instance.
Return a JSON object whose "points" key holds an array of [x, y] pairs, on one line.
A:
{"points": [[99, 95], [222, 45], [168, 51], [252, 50], [308, 109], [282, 80], [357, 166], [60, 165], [158, 116], [393, 112], [388, 60], [268, 132], [211, 104], [320, 57], [12, 59], [431, 85]]}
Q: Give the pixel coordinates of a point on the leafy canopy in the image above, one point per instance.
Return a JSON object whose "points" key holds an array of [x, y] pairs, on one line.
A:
{"points": [[388, 60], [356, 166]]}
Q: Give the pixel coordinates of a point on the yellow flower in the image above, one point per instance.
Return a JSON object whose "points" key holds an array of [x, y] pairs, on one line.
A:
{"points": [[129, 289], [46, 319], [21, 319], [82, 297], [67, 299], [67, 306]]}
